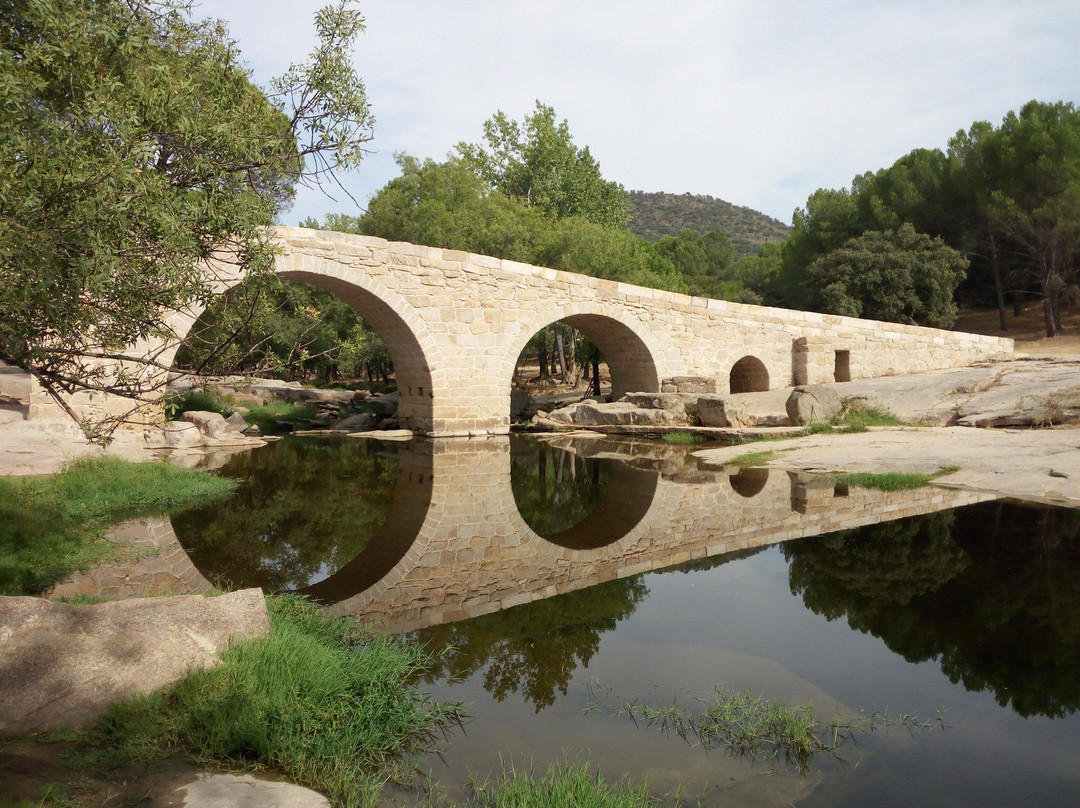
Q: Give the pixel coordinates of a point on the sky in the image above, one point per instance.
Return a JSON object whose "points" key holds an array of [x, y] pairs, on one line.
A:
{"points": [[757, 102]]}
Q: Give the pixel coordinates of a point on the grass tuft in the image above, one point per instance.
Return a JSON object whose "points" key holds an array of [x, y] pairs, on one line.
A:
{"points": [[319, 700], [751, 459], [855, 416], [51, 526], [758, 728], [565, 786], [892, 480], [682, 437]]}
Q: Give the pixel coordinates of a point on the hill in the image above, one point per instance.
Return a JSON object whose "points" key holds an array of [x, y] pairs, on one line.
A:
{"points": [[654, 215]]}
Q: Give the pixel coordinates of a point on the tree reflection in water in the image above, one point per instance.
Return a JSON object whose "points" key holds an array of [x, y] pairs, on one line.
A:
{"points": [[535, 648], [554, 488], [989, 591], [305, 509]]}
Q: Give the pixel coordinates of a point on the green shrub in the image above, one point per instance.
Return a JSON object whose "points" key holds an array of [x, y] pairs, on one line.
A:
{"points": [[195, 400]]}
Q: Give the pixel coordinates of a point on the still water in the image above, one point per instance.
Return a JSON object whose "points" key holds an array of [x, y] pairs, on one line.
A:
{"points": [[574, 579]]}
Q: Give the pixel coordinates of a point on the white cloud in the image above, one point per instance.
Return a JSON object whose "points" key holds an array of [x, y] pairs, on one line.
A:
{"points": [[758, 102]]}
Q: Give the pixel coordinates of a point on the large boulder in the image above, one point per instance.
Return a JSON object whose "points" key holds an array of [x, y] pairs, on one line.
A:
{"points": [[361, 422], [657, 401], [618, 413], [817, 402], [383, 406], [63, 665], [722, 411]]}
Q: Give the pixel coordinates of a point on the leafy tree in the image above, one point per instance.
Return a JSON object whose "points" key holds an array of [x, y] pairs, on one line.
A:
{"points": [[578, 245], [707, 263], [897, 275], [537, 164], [134, 146], [448, 205], [1036, 204], [270, 326]]}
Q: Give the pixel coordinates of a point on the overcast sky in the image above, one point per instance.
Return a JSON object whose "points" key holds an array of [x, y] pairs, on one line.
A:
{"points": [[758, 102]]}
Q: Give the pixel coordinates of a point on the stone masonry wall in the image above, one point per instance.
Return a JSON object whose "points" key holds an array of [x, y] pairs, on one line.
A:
{"points": [[455, 324]]}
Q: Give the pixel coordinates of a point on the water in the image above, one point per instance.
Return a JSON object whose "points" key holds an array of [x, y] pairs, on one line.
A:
{"points": [[573, 579]]}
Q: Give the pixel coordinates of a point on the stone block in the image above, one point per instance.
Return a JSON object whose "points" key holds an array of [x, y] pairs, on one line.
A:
{"points": [[812, 403], [722, 411]]}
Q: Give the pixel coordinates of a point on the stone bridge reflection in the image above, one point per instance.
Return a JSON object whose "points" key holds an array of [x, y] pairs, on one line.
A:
{"points": [[474, 554], [454, 544]]}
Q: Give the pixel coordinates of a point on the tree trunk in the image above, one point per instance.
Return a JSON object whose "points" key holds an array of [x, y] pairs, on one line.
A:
{"points": [[596, 372], [542, 355], [996, 268], [1052, 288], [561, 354]]}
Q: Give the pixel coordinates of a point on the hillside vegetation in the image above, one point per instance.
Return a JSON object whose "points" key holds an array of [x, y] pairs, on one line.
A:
{"points": [[654, 215]]}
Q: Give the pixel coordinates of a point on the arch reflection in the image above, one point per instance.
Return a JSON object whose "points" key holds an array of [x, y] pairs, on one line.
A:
{"points": [[576, 501]]}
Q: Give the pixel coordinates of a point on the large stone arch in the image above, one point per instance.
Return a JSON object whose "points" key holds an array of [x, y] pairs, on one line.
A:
{"points": [[407, 340], [634, 354]]}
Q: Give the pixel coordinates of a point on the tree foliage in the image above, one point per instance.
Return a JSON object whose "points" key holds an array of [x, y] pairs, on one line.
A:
{"points": [[134, 146], [1006, 196], [536, 163], [896, 275]]}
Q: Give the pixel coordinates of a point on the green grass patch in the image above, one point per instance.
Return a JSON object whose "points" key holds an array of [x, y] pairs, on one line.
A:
{"points": [[565, 786], [891, 480], [265, 417], [53, 525], [318, 699], [751, 459], [682, 437], [195, 400], [753, 727]]}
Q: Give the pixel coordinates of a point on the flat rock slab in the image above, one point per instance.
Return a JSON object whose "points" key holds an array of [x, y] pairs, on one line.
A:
{"points": [[63, 665], [245, 791], [1041, 465]]}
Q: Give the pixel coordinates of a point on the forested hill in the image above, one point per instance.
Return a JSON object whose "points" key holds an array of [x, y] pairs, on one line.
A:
{"points": [[654, 215]]}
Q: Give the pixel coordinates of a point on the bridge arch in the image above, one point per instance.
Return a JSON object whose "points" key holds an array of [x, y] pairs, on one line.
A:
{"points": [[410, 345], [633, 353]]}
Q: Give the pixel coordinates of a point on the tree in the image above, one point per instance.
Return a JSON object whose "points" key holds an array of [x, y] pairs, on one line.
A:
{"points": [[134, 146], [537, 164], [1036, 201], [896, 275]]}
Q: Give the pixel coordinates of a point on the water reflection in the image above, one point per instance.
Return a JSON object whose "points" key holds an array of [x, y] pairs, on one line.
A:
{"points": [[304, 510], [990, 592]]}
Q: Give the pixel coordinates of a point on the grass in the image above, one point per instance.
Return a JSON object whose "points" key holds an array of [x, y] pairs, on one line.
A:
{"points": [[53, 525], [318, 700], [265, 417], [855, 416], [682, 437], [751, 459], [565, 786], [762, 729], [892, 480], [195, 400]]}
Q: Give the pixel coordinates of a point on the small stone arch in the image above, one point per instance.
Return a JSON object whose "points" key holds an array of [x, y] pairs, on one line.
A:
{"points": [[749, 375]]}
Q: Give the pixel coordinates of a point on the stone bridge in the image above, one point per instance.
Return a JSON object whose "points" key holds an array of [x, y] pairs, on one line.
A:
{"points": [[455, 323]]}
